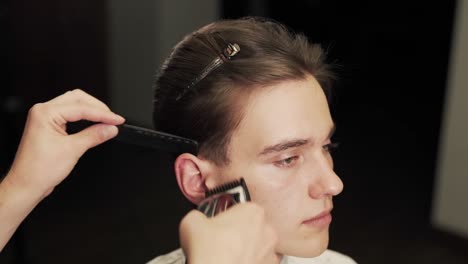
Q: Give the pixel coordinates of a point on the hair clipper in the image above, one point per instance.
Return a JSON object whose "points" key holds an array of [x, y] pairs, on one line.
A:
{"points": [[221, 198]]}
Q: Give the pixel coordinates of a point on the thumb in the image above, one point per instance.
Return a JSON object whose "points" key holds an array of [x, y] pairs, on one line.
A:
{"points": [[194, 221], [93, 136]]}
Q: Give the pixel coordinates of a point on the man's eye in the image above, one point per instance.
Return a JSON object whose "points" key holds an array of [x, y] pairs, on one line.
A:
{"points": [[331, 147], [287, 162]]}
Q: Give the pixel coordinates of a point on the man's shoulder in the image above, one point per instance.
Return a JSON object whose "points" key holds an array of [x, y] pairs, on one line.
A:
{"points": [[175, 257], [336, 258], [327, 257]]}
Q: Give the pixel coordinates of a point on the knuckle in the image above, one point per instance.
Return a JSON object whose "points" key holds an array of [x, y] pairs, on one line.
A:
{"points": [[37, 109], [77, 91], [69, 93], [76, 95], [100, 135], [188, 220]]}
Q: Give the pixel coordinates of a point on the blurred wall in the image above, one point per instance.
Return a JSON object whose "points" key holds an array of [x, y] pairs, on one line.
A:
{"points": [[141, 36], [450, 201]]}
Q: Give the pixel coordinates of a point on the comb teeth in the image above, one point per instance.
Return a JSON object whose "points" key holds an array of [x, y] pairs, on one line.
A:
{"points": [[225, 187]]}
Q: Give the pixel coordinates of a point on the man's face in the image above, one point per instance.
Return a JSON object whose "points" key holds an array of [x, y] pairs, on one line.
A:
{"points": [[281, 148]]}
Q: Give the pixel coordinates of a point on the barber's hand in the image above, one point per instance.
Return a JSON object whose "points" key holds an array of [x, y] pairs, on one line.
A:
{"points": [[47, 154], [238, 235]]}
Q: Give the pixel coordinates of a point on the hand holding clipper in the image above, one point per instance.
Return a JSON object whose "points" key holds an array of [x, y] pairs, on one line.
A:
{"points": [[238, 235], [221, 198]]}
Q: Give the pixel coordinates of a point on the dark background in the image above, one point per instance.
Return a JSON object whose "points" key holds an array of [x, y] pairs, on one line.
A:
{"points": [[392, 58]]}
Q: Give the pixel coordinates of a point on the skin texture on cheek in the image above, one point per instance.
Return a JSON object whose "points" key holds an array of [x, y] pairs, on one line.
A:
{"points": [[286, 204]]}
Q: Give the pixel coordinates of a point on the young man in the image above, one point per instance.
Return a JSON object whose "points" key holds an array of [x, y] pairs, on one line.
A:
{"points": [[254, 95]]}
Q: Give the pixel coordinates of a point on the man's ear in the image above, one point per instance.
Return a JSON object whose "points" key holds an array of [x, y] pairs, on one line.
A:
{"points": [[191, 174]]}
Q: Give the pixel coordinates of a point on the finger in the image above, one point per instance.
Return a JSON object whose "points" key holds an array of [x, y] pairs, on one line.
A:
{"points": [[255, 211], [76, 112], [93, 136], [192, 222], [87, 98], [79, 96], [193, 219]]}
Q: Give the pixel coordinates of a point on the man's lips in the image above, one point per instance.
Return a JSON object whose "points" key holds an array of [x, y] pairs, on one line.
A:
{"points": [[323, 218]]}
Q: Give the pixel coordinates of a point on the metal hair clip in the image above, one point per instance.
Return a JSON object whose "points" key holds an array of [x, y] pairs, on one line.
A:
{"points": [[230, 51]]}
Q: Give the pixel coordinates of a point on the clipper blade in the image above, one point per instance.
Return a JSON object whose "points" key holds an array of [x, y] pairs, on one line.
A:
{"points": [[222, 197]]}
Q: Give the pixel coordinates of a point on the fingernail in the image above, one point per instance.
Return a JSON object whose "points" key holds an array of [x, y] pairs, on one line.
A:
{"points": [[109, 131], [121, 118]]}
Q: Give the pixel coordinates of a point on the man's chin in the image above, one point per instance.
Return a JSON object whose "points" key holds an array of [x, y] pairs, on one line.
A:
{"points": [[306, 249]]}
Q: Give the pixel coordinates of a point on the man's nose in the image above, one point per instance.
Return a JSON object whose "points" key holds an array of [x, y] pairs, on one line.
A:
{"points": [[325, 181]]}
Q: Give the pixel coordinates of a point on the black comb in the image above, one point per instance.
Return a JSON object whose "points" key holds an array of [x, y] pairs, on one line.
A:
{"points": [[156, 139], [145, 137]]}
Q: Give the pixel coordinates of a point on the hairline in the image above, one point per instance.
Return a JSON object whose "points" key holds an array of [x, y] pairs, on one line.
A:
{"points": [[247, 93]]}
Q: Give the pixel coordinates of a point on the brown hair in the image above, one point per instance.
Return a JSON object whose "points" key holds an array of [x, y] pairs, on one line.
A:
{"points": [[211, 110]]}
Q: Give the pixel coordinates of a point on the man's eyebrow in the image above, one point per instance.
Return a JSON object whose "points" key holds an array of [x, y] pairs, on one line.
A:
{"points": [[283, 146], [291, 143]]}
